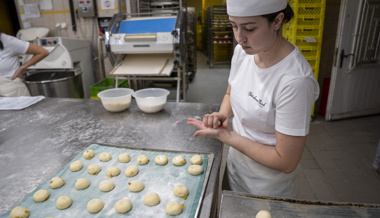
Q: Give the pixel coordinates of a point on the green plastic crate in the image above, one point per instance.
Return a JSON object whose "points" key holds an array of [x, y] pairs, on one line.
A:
{"points": [[107, 83]]}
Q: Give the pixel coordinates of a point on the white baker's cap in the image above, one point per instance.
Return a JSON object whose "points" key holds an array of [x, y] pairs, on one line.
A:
{"points": [[246, 8]]}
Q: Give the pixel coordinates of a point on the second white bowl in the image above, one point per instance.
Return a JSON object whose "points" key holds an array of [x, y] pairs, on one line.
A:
{"points": [[151, 100]]}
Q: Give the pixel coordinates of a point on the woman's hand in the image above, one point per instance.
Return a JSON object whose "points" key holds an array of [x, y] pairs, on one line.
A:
{"points": [[215, 120], [208, 131], [19, 73]]}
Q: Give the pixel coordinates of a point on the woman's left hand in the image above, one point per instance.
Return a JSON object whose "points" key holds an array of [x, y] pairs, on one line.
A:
{"points": [[206, 131], [19, 73]]}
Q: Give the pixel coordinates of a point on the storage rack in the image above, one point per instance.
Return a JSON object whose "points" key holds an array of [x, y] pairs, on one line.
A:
{"points": [[305, 30], [192, 44], [219, 36], [160, 6]]}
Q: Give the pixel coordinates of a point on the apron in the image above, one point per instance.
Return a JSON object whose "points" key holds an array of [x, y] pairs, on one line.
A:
{"points": [[13, 88], [246, 175]]}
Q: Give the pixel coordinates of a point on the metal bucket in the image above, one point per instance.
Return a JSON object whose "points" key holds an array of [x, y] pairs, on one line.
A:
{"points": [[62, 84]]}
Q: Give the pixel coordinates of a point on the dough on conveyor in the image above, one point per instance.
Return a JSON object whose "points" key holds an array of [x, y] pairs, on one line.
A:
{"points": [[104, 157], [181, 191], [113, 171], [196, 160], [64, 202], [19, 212], [142, 159], [178, 160], [124, 158], [131, 171], [82, 183], [93, 169], [123, 206], [161, 159], [76, 166], [106, 185], [173, 208], [41, 195], [136, 186], [57, 182], [195, 169], [95, 205], [151, 199], [89, 154]]}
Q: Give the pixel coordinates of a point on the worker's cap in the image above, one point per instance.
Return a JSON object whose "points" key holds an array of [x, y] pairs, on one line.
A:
{"points": [[246, 8]]}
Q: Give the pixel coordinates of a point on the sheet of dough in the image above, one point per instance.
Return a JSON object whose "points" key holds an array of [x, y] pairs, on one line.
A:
{"points": [[145, 65]]}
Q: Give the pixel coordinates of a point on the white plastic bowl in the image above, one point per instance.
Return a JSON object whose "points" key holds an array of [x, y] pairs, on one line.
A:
{"points": [[151, 100], [117, 99]]}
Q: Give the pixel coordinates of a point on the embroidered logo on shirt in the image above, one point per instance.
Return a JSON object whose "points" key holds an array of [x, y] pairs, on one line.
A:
{"points": [[259, 101]]}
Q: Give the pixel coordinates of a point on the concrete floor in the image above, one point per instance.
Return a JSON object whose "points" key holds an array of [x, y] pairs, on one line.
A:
{"points": [[337, 157]]}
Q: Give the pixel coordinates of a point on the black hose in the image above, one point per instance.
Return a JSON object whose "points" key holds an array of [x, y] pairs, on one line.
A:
{"points": [[74, 26]]}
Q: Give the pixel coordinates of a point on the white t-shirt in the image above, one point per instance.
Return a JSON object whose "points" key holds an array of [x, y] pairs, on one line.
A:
{"points": [[9, 61], [279, 98]]}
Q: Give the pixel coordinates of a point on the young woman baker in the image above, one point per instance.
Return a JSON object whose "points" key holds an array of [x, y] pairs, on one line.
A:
{"points": [[270, 94]]}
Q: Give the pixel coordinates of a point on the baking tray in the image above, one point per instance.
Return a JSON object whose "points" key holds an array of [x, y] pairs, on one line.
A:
{"points": [[159, 179], [235, 204]]}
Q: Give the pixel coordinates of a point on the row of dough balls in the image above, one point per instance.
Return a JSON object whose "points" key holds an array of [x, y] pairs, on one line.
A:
{"points": [[83, 183], [96, 205], [143, 159], [94, 169], [130, 171]]}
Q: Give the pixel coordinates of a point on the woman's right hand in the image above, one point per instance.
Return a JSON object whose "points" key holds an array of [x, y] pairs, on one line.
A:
{"points": [[215, 120]]}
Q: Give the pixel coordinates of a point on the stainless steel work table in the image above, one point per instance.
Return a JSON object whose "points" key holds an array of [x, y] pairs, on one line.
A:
{"points": [[235, 204], [38, 141]]}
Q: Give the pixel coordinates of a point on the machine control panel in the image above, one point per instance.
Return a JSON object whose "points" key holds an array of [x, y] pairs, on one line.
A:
{"points": [[51, 41], [86, 8]]}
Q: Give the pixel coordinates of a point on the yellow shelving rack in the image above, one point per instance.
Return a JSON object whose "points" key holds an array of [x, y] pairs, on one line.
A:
{"points": [[305, 30]]}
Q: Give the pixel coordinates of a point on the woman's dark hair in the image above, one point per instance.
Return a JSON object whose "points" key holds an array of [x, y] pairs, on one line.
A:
{"points": [[288, 15]]}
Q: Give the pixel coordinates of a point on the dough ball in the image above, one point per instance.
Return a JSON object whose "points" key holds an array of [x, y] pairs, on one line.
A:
{"points": [[136, 186], [142, 159], [124, 158], [195, 169], [196, 160], [161, 159], [263, 214], [179, 160], [19, 212], [76, 166], [131, 171], [41, 195], [89, 154], [81, 183], [151, 199], [63, 202], [95, 205], [113, 171], [104, 157], [123, 206], [173, 208], [93, 169], [106, 185], [57, 182], [181, 191]]}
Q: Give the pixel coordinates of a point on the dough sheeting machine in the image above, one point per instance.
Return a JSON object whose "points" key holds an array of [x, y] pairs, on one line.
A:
{"points": [[152, 47]]}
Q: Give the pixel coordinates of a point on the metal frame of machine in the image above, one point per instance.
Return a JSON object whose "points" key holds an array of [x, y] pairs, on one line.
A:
{"points": [[174, 42]]}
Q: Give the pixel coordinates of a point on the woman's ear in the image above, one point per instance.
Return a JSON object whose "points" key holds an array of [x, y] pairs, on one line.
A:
{"points": [[277, 23]]}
